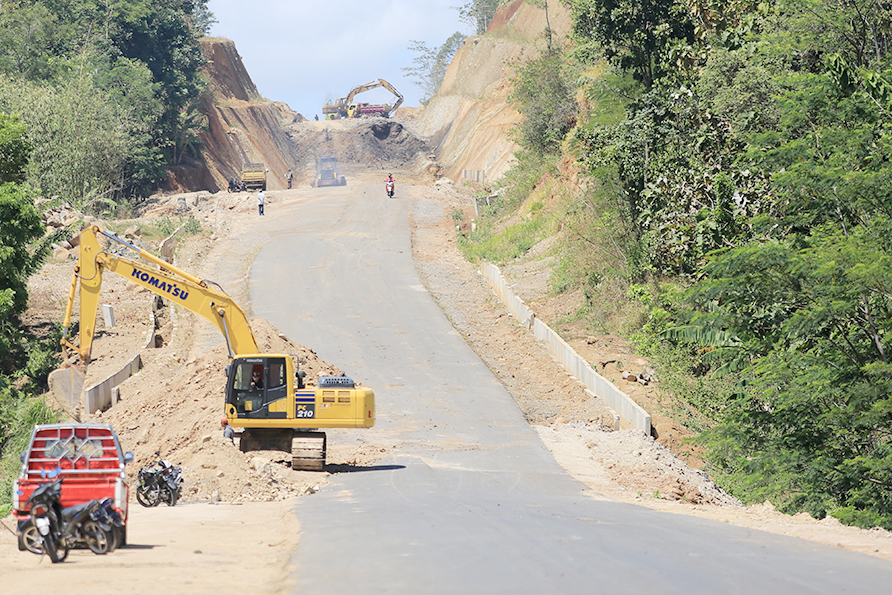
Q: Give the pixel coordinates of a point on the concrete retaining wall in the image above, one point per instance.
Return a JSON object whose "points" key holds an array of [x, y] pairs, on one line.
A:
{"points": [[630, 413], [99, 396], [103, 395]]}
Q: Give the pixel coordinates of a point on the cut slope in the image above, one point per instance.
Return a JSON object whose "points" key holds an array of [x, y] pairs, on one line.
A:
{"points": [[469, 119]]}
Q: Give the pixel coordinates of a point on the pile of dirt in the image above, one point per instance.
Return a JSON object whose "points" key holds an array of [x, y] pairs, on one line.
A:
{"points": [[635, 464], [367, 144], [180, 417]]}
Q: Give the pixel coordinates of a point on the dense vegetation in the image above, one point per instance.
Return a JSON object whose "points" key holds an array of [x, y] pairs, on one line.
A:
{"points": [[96, 101], [737, 158], [107, 92]]}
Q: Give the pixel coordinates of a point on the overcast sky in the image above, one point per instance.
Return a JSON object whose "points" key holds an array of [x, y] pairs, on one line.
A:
{"points": [[304, 52]]}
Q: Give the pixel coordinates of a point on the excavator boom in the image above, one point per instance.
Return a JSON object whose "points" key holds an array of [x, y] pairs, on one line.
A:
{"points": [[342, 108], [166, 280]]}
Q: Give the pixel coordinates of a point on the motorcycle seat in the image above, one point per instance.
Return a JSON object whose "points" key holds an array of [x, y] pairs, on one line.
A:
{"points": [[72, 511]]}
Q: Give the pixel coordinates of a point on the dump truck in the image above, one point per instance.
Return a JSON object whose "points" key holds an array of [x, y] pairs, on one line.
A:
{"points": [[345, 108], [367, 110], [279, 412], [327, 173], [253, 176]]}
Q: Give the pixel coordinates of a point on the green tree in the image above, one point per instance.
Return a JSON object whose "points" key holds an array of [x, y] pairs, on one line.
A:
{"points": [[544, 94], [634, 35], [80, 143], [65, 42], [430, 64], [15, 150], [30, 41], [20, 224], [161, 34]]}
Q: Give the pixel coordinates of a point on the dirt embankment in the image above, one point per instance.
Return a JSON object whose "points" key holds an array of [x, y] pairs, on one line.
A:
{"points": [[242, 127], [469, 119]]}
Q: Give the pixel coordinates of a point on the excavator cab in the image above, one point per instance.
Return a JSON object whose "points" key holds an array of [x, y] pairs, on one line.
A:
{"points": [[257, 387]]}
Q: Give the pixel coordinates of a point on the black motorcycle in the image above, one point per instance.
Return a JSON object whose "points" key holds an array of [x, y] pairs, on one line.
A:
{"points": [[55, 530], [237, 185], [111, 522], [159, 482]]}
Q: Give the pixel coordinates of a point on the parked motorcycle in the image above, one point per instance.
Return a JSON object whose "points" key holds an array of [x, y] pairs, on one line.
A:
{"points": [[111, 522], [389, 188], [55, 530], [237, 185], [159, 482]]}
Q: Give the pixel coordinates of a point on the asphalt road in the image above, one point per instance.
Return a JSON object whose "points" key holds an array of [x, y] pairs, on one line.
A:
{"points": [[471, 501]]}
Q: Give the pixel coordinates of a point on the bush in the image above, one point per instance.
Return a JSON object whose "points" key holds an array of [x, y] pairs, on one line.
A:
{"points": [[18, 416]]}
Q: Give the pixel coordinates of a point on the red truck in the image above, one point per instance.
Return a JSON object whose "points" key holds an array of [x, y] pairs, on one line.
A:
{"points": [[90, 460]]}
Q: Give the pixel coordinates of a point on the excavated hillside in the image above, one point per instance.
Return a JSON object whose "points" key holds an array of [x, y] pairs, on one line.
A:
{"points": [[244, 127], [469, 120], [465, 127]]}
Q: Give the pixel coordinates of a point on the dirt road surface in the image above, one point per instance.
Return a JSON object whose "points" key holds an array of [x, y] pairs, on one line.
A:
{"points": [[190, 548], [235, 529]]}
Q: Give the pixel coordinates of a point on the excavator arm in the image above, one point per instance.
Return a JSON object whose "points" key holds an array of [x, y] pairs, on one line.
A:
{"points": [[399, 97], [344, 103], [164, 279], [361, 89]]}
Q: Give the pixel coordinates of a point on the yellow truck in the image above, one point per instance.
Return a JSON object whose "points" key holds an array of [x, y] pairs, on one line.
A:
{"points": [[277, 413], [253, 176]]}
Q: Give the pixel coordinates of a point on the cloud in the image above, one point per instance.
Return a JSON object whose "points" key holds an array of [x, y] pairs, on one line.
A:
{"points": [[307, 51]]}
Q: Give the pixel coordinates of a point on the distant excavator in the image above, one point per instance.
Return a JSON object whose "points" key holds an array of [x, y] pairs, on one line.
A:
{"points": [[345, 108]]}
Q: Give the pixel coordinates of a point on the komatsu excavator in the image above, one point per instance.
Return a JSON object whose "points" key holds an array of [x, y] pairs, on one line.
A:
{"points": [[265, 394]]}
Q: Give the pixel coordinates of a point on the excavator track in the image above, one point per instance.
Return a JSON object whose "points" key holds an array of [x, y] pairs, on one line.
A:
{"points": [[308, 451]]}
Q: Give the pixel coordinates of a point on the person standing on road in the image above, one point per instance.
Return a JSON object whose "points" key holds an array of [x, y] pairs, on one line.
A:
{"points": [[289, 176], [261, 198]]}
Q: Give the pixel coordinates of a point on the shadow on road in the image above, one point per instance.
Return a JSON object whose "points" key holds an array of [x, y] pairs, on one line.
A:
{"points": [[357, 468]]}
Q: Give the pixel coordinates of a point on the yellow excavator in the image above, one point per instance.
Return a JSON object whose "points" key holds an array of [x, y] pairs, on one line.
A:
{"points": [[345, 108], [265, 393]]}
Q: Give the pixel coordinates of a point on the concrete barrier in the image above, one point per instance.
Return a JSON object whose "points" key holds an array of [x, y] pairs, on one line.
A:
{"points": [[66, 386], [630, 413], [105, 393], [99, 396]]}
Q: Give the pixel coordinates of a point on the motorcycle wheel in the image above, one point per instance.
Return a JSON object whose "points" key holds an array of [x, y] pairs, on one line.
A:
{"points": [[97, 539], [170, 496], [148, 497], [30, 539], [55, 550], [112, 535]]}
